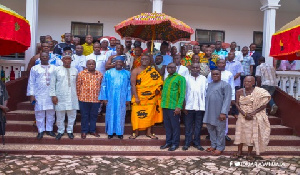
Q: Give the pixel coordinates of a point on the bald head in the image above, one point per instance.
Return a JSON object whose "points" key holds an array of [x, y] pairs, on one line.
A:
{"points": [[249, 82]]}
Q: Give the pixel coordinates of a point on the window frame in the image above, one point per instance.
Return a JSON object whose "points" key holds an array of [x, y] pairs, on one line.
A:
{"points": [[210, 42], [82, 37]]}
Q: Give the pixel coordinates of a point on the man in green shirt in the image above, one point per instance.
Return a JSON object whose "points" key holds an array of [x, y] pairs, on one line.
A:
{"points": [[172, 100]]}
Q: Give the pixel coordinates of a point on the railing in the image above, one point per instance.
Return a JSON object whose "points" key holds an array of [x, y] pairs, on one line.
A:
{"points": [[289, 82], [11, 69]]}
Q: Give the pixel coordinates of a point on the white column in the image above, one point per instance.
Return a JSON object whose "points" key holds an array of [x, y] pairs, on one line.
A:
{"points": [[32, 16], [269, 7], [157, 6]]}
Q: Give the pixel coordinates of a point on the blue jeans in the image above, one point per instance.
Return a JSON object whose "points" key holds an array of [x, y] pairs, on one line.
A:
{"points": [[194, 119], [89, 115], [172, 127], [271, 90]]}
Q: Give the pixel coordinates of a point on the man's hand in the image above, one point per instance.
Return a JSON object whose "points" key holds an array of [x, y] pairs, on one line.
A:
{"points": [[177, 111], [222, 117], [54, 100], [32, 98], [4, 109], [185, 112], [249, 116], [105, 102], [127, 103], [157, 92], [137, 101]]}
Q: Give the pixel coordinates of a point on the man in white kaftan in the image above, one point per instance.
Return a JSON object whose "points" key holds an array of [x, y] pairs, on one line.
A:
{"points": [[38, 90], [64, 96]]}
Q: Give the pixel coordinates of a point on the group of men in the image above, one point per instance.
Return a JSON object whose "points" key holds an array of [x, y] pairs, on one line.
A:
{"points": [[157, 87]]}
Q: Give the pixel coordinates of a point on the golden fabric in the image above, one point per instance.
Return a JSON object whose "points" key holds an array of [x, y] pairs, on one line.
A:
{"points": [[149, 111], [87, 49], [254, 132], [136, 62]]}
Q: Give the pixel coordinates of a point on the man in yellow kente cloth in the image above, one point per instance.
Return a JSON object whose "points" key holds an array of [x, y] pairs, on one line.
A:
{"points": [[146, 84]]}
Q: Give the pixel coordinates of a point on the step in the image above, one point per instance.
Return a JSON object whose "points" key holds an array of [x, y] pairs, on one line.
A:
{"points": [[26, 105], [25, 126], [25, 115], [30, 138], [46, 149]]}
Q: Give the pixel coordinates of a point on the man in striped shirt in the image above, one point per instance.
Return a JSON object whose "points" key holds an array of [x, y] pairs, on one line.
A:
{"points": [[172, 100]]}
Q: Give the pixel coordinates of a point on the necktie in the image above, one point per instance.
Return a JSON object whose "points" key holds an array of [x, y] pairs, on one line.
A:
{"points": [[251, 53]]}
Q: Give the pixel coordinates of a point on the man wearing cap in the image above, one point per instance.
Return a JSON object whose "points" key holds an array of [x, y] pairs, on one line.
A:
{"points": [[112, 46], [116, 94], [64, 96]]}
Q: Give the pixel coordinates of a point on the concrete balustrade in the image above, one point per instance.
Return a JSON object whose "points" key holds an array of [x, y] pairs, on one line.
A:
{"points": [[11, 65], [289, 82]]}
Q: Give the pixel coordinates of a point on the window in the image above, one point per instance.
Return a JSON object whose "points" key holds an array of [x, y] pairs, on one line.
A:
{"points": [[209, 36], [258, 38], [80, 29]]}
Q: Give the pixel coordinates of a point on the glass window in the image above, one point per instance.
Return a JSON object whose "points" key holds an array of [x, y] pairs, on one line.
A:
{"points": [[209, 36], [80, 29]]}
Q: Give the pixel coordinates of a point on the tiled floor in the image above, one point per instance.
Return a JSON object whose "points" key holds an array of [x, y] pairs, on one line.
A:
{"points": [[14, 164]]}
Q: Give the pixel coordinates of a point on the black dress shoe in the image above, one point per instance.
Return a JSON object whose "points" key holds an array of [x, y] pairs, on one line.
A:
{"points": [[40, 135], [207, 137], [50, 133], [70, 135], [120, 136], [198, 147], [173, 148], [185, 147], [59, 135], [227, 138], [165, 146], [110, 136]]}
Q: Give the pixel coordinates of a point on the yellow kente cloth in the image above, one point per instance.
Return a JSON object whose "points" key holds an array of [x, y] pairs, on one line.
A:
{"points": [[203, 59], [149, 111], [87, 49], [254, 132]]}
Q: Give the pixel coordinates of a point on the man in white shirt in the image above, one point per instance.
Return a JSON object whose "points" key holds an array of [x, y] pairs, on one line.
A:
{"points": [[98, 57], [194, 106], [78, 60], [238, 54], [38, 90], [64, 95], [228, 78], [181, 70]]}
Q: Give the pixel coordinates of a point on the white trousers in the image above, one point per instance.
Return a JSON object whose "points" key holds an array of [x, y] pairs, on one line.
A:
{"points": [[41, 117], [60, 120]]}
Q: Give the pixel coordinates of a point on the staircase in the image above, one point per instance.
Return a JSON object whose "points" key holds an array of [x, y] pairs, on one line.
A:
{"points": [[21, 139]]}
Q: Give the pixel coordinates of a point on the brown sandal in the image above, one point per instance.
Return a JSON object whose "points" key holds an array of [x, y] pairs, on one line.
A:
{"points": [[152, 136], [133, 136], [216, 152], [210, 149], [236, 156]]}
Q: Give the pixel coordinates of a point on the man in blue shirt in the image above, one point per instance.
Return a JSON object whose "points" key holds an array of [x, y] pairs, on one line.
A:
{"points": [[221, 53], [163, 52]]}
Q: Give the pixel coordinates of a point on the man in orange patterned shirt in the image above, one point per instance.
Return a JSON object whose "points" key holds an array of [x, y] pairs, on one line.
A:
{"points": [[88, 88], [137, 57]]}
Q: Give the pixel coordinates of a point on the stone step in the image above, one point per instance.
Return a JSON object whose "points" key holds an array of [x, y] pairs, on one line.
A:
{"points": [[25, 126], [30, 138], [25, 115], [46, 149], [26, 105]]}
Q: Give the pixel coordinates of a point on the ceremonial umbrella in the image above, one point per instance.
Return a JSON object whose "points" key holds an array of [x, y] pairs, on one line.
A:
{"points": [[285, 43], [15, 32], [154, 27]]}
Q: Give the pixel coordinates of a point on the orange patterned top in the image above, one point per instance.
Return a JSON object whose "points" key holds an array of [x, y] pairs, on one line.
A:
{"points": [[136, 62], [88, 86]]}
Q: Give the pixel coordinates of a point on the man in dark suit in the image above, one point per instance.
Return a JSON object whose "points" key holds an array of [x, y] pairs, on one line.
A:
{"points": [[255, 55]]}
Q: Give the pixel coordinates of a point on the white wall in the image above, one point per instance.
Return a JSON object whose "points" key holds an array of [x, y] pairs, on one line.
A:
{"points": [[55, 16]]}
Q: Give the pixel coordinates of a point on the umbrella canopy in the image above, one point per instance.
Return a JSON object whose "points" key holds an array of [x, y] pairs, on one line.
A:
{"points": [[15, 32], [286, 42], [154, 26]]}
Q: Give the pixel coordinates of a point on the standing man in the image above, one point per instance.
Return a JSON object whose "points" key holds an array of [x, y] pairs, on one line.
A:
{"points": [[137, 57], [163, 52], [238, 54], [78, 60], [255, 55], [59, 48], [88, 45], [64, 96], [116, 94], [3, 106], [112, 46], [236, 68], [111, 62], [222, 54], [204, 69], [172, 101], [38, 90], [185, 60], [98, 57], [76, 41], [104, 42], [248, 64], [128, 51], [181, 70], [88, 88], [266, 78], [146, 87], [217, 104], [252, 126], [194, 106], [227, 76]]}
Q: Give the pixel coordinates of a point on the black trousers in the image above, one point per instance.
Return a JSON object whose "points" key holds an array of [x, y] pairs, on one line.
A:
{"points": [[193, 122], [172, 127]]}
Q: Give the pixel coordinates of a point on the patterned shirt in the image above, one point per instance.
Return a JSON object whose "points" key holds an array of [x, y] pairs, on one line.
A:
{"points": [[87, 49], [267, 74], [247, 62], [173, 93], [222, 54], [88, 86]]}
